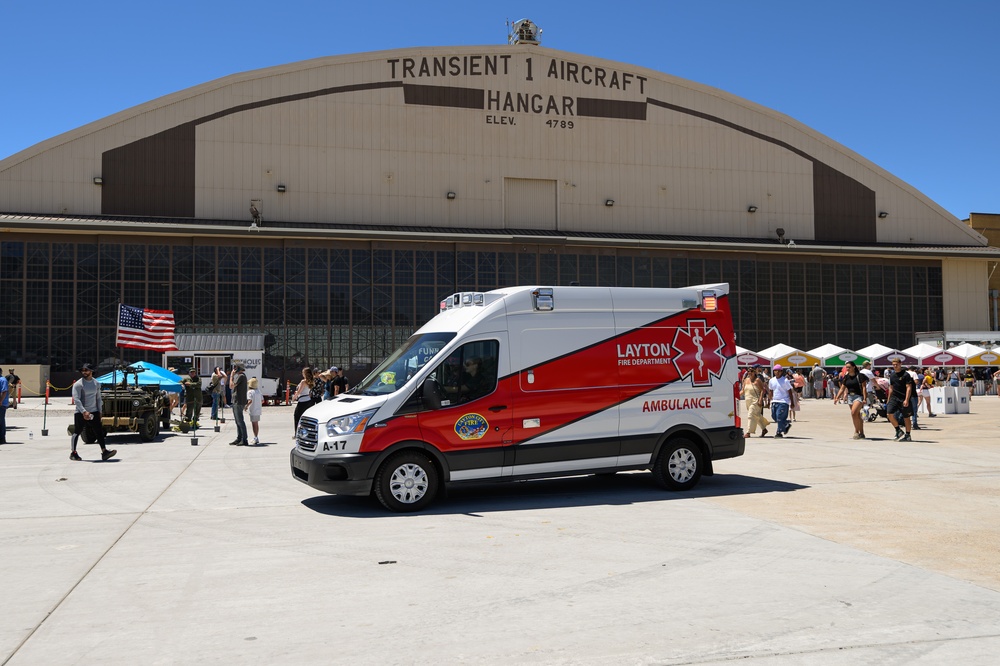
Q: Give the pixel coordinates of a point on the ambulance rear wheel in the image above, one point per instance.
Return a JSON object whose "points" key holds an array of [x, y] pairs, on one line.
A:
{"points": [[679, 465], [407, 481]]}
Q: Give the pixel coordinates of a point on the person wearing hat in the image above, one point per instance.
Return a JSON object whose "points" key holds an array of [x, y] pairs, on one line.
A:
{"points": [[192, 396], [238, 385], [87, 398], [339, 381], [255, 402], [782, 393]]}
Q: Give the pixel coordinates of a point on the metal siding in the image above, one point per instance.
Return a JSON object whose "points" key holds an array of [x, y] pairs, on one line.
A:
{"points": [[530, 204]]}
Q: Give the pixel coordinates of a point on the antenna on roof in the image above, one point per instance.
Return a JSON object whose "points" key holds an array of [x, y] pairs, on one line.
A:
{"points": [[523, 32]]}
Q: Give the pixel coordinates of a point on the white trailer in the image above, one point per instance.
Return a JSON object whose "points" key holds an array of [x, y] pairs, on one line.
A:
{"points": [[206, 352]]}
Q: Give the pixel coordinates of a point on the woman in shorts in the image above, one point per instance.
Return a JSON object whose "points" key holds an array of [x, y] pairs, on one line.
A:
{"points": [[254, 407], [854, 392]]}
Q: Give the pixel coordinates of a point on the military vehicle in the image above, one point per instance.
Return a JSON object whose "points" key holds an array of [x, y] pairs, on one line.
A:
{"points": [[131, 406]]}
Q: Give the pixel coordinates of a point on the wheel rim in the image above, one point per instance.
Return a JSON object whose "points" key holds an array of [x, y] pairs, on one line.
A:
{"points": [[682, 465], [408, 483]]}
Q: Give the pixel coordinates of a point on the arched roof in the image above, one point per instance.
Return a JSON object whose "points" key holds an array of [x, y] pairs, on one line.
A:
{"points": [[522, 137]]}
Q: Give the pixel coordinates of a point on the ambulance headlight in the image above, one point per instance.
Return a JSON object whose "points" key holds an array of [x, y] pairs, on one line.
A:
{"points": [[352, 423]]}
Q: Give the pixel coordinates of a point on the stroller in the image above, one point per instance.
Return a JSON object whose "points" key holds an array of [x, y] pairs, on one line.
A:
{"points": [[875, 407]]}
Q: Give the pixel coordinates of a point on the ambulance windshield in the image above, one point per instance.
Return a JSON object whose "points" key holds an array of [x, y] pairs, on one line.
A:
{"points": [[403, 364]]}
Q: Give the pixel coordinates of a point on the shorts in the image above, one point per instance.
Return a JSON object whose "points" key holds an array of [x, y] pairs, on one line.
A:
{"points": [[798, 389], [254, 418], [853, 398], [896, 405]]}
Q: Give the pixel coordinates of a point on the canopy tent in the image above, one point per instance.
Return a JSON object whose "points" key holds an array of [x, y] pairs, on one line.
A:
{"points": [[832, 355], [745, 358], [974, 355], [925, 354], [882, 356], [153, 375], [790, 357]]}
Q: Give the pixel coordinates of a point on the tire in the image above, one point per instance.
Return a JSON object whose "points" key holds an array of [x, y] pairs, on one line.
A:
{"points": [[679, 465], [148, 427], [406, 482]]}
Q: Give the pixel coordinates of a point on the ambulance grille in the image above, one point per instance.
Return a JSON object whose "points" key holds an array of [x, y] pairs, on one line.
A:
{"points": [[308, 433]]}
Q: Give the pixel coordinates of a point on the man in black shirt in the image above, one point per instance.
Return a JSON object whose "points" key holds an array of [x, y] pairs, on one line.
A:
{"points": [[901, 390]]}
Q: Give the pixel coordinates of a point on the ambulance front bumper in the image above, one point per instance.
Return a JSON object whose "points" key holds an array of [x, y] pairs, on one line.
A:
{"points": [[339, 474]]}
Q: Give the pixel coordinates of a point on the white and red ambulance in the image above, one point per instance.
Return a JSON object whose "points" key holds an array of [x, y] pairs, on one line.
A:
{"points": [[530, 382]]}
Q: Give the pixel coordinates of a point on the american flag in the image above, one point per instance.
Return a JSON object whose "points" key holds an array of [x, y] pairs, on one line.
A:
{"points": [[145, 329]]}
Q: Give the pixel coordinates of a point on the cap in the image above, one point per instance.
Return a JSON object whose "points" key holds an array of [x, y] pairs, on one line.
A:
{"points": [[777, 367], [333, 368], [86, 366], [192, 369], [755, 366]]}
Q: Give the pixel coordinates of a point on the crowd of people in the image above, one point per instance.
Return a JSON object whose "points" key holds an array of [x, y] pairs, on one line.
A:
{"points": [[897, 394], [314, 388]]}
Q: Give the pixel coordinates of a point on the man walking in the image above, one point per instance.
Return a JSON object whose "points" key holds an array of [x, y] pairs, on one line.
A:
{"points": [[12, 381], [238, 384], [780, 390], [900, 391], [87, 398], [816, 377]]}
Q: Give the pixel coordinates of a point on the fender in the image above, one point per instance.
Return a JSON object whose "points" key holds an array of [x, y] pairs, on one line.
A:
{"points": [[434, 454], [696, 436]]}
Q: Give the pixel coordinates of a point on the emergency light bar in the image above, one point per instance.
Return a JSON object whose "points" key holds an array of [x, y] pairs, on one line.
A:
{"points": [[463, 299]]}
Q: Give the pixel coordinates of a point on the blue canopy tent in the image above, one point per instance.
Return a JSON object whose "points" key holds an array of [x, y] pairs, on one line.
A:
{"points": [[152, 375]]}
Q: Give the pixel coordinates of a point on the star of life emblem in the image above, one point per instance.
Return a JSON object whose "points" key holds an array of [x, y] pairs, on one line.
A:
{"points": [[699, 354]]}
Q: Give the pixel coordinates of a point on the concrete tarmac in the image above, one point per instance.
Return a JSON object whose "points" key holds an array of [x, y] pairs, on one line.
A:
{"points": [[814, 549]]}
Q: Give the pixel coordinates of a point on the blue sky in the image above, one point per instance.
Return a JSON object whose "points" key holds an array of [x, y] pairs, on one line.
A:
{"points": [[913, 86]]}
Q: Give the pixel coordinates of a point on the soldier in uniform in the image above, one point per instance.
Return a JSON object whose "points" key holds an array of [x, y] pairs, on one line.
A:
{"points": [[192, 395]]}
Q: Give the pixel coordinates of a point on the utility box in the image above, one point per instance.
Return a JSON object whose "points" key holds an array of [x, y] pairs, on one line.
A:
{"points": [[943, 399], [962, 396]]}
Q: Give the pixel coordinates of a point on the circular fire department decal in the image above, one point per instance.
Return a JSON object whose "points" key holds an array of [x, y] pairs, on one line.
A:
{"points": [[471, 426]]}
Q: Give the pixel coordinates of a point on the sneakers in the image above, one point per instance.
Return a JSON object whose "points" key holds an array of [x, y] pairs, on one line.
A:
{"points": [[858, 435], [932, 415], [916, 427], [241, 443], [75, 456], [899, 434], [235, 442], [109, 454], [905, 438], [788, 426], [763, 433], [256, 442], [778, 436]]}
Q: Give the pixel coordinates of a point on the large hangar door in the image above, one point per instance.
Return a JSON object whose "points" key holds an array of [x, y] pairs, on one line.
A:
{"points": [[530, 203]]}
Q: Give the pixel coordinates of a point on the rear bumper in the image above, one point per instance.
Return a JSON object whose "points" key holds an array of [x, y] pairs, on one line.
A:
{"points": [[726, 443], [343, 474]]}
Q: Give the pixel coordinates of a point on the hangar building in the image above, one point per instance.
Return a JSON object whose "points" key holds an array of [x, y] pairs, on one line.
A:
{"points": [[330, 204]]}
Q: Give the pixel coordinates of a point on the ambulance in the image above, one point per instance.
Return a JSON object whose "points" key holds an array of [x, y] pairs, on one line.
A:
{"points": [[533, 382]]}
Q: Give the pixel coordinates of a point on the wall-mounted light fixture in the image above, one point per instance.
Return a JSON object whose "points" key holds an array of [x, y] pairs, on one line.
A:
{"points": [[451, 195], [609, 202], [281, 188], [751, 209], [781, 234], [882, 215], [98, 180]]}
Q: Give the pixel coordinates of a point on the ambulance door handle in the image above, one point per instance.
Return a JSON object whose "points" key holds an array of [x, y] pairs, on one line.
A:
{"points": [[498, 408]]}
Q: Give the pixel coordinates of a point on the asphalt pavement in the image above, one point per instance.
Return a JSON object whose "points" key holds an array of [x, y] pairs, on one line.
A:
{"points": [[813, 549]]}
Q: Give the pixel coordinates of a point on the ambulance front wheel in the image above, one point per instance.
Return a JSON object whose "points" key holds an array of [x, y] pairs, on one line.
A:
{"points": [[407, 481], [679, 465]]}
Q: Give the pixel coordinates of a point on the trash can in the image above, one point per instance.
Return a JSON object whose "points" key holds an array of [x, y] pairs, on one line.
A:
{"points": [[943, 399], [961, 399]]}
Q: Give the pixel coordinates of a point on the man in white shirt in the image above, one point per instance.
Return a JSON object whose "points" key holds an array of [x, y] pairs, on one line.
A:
{"points": [[780, 389]]}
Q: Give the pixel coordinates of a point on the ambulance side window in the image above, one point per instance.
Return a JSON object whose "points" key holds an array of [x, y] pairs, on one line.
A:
{"points": [[468, 373]]}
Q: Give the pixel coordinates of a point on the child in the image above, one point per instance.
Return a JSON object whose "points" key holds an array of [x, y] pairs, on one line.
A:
{"points": [[254, 405]]}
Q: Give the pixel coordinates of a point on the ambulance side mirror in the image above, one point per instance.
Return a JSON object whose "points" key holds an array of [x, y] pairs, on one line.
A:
{"points": [[431, 394]]}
